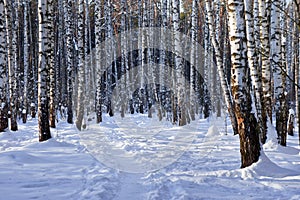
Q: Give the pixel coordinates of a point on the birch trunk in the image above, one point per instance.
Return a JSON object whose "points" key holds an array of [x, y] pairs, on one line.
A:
{"points": [[109, 54], [265, 62], [51, 62], [194, 24], [181, 110], [98, 38], [224, 83], [279, 96], [26, 63], [124, 60], [43, 112], [252, 58], [12, 62], [247, 124], [3, 77], [69, 54], [81, 66]]}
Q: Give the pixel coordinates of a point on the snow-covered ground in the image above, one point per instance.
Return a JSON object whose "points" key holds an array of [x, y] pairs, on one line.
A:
{"points": [[139, 158]]}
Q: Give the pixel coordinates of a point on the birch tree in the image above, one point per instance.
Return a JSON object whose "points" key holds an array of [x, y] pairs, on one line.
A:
{"points": [[25, 62], [43, 112], [181, 110], [224, 83], [69, 55], [81, 67], [124, 60], [279, 96], [3, 77], [51, 62], [265, 63], [163, 69], [109, 54], [246, 121], [98, 38], [194, 25], [252, 59], [11, 41]]}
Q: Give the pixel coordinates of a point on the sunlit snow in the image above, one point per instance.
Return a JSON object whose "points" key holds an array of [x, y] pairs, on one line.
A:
{"points": [[66, 167]]}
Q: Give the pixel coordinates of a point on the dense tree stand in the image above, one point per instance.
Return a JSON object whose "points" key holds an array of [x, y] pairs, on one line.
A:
{"points": [[72, 60]]}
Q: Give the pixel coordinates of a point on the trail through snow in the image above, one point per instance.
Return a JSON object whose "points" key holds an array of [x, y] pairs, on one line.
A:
{"points": [[132, 186], [68, 166]]}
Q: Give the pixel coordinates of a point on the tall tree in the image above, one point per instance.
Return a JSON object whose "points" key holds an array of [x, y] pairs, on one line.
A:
{"points": [[98, 38], [69, 54], [194, 25], [181, 109], [252, 59], [279, 83], [109, 55], [43, 111], [11, 39], [51, 5], [222, 75], [124, 59], [265, 63], [246, 121], [81, 66], [3, 77], [25, 61]]}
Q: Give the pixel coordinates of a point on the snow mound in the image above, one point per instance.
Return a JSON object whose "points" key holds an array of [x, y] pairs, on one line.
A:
{"points": [[266, 168]]}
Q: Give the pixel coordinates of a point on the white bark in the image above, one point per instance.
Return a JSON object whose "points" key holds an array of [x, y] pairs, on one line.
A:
{"points": [[265, 62], [69, 54], [252, 58], [222, 76], [275, 47], [124, 61], [11, 60], [98, 38], [43, 112], [51, 61], [109, 54], [25, 59], [247, 125], [3, 54], [194, 24], [81, 65], [3, 76], [181, 112]]}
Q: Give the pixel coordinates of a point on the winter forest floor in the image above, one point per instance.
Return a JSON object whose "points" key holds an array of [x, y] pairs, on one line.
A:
{"points": [[116, 161]]}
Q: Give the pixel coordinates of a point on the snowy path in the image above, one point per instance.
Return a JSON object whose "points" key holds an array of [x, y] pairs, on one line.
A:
{"points": [[206, 167], [131, 186]]}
